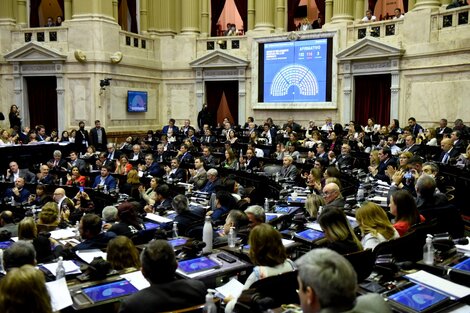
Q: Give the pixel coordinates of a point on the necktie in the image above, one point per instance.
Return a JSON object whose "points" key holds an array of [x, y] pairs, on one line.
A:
{"points": [[445, 159]]}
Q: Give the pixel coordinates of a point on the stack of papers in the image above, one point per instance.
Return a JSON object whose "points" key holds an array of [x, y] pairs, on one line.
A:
{"points": [[137, 279], [157, 218], [449, 288], [59, 293], [88, 255], [63, 233], [233, 288], [70, 267]]}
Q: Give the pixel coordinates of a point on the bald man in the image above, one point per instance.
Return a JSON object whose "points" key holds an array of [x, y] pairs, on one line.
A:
{"points": [[66, 205], [448, 151], [333, 197]]}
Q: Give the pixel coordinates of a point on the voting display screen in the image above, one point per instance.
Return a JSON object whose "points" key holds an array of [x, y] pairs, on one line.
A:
{"points": [[295, 71]]}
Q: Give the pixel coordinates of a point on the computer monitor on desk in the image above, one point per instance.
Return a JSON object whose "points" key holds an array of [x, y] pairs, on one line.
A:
{"points": [[214, 269]]}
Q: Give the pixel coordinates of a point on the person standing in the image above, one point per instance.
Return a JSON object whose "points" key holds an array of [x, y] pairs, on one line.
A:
{"points": [[14, 117], [98, 137], [82, 139]]}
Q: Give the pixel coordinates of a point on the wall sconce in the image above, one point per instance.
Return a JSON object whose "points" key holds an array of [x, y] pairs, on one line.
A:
{"points": [[222, 44]]}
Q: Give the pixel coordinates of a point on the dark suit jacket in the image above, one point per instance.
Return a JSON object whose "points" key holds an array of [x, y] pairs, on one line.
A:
{"points": [[180, 174], [94, 138], [165, 130], [415, 129], [154, 170], [454, 153], [23, 196], [81, 140], [173, 295], [413, 149], [116, 155], [24, 173], [81, 164], [110, 182], [254, 163], [186, 158], [445, 131]]}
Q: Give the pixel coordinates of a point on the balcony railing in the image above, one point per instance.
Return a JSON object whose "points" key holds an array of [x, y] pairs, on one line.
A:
{"points": [[450, 19], [380, 29], [55, 36]]}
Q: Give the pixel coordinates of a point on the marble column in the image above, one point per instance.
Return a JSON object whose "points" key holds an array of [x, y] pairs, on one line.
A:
{"points": [[22, 11], [116, 10], [359, 10], [264, 15], [67, 10], [93, 8], [143, 15], [205, 16], [251, 15], [280, 16], [7, 15], [427, 4], [328, 10], [161, 14], [342, 11], [411, 4], [190, 17]]}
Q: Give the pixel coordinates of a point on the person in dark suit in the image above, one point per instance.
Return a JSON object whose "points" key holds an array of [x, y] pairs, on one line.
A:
{"points": [[113, 154], [321, 151], [166, 293], [161, 155], [151, 168], [415, 128], [208, 138], [288, 170], [82, 139], [90, 232], [171, 125], [442, 131], [75, 161], [136, 156], [43, 177], [13, 172], [251, 161], [175, 172], [183, 156], [293, 125], [269, 133], [386, 159], [448, 152], [57, 164], [459, 144], [105, 179], [184, 216], [411, 145], [18, 193], [98, 137], [103, 161]]}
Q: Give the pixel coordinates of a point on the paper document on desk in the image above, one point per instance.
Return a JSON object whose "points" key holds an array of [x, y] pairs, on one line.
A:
{"points": [[233, 288], [157, 218], [440, 284], [137, 279], [314, 225], [70, 267], [378, 199], [63, 233], [59, 293], [89, 255]]}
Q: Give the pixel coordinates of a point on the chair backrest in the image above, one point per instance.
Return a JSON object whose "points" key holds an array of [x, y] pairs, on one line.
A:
{"points": [[280, 288], [405, 248], [363, 263]]}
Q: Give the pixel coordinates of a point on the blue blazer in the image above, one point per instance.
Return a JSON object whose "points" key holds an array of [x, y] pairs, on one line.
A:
{"points": [[110, 182], [165, 130]]}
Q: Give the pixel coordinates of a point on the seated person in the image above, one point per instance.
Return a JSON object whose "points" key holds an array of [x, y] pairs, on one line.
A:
{"points": [[46, 248], [76, 162], [57, 164], [166, 293], [128, 222], [184, 216], [369, 17], [91, 234], [13, 172], [338, 232], [105, 179], [269, 256], [40, 198], [375, 225], [328, 283], [333, 197], [403, 207], [44, 177], [122, 254], [7, 223], [212, 181], [18, 254], [75, 178], [109, 216], [48, 218], [184, 156], [175, 172], [198, 175], [288, 170], [18, 194], [148, 195], [162, 200], [224, 203], [239, 221]]}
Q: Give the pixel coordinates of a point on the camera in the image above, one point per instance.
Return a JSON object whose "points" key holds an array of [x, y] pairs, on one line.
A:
{"points": [[105, 82]]}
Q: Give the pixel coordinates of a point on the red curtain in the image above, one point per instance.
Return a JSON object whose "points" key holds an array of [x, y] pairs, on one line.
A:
{"points": [[321, 8], [42, 98], [214, 94], [372, 98], [242, 7], [34, 13], [292, 5], [217, 6]]}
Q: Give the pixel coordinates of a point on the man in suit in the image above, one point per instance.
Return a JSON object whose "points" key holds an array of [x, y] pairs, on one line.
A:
{"points": [[166, 293], [18, 193], [448, 152], [151, 168], [321, 151], [92, 234], [113, 154], [251, 161], [386, 159], [288, 170], [98, 137], [44, 177], [269, 133], [41, 134], [212, 181], [198, 175], [328, 283], [137, 156], [82, 139], [208, 158], [7, 223], [458, 142], [57, 164], [65, 204], [410, 145], [14, 172], [442, 131], [415, 128], [345, 161], [171, 125], [105, 179], [103, 161], [161, 155], [75, 161], [333, 197], [183, 156], [174, 171]]}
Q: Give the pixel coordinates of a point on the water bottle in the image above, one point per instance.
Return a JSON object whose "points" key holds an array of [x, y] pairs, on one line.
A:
{"points": [[76, 229], [207, 235], [360, 193], [105, 189], [60, 271], [2, 270], [209, 306], [428, 251], [232, 237], [174, 231], [266, 205], [277, 177]]}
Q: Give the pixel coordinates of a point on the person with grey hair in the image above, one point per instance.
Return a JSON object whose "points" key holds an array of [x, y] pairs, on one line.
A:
{"points": [[328, 283], [20, 253], [288, 170], [212, 181], [109, 216], [255, 215], [165, 293], [57, 163], [239, 221], [184, 216]]}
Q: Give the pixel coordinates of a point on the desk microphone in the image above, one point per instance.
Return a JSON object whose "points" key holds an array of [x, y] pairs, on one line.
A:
{"points": [[460, 241]]}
